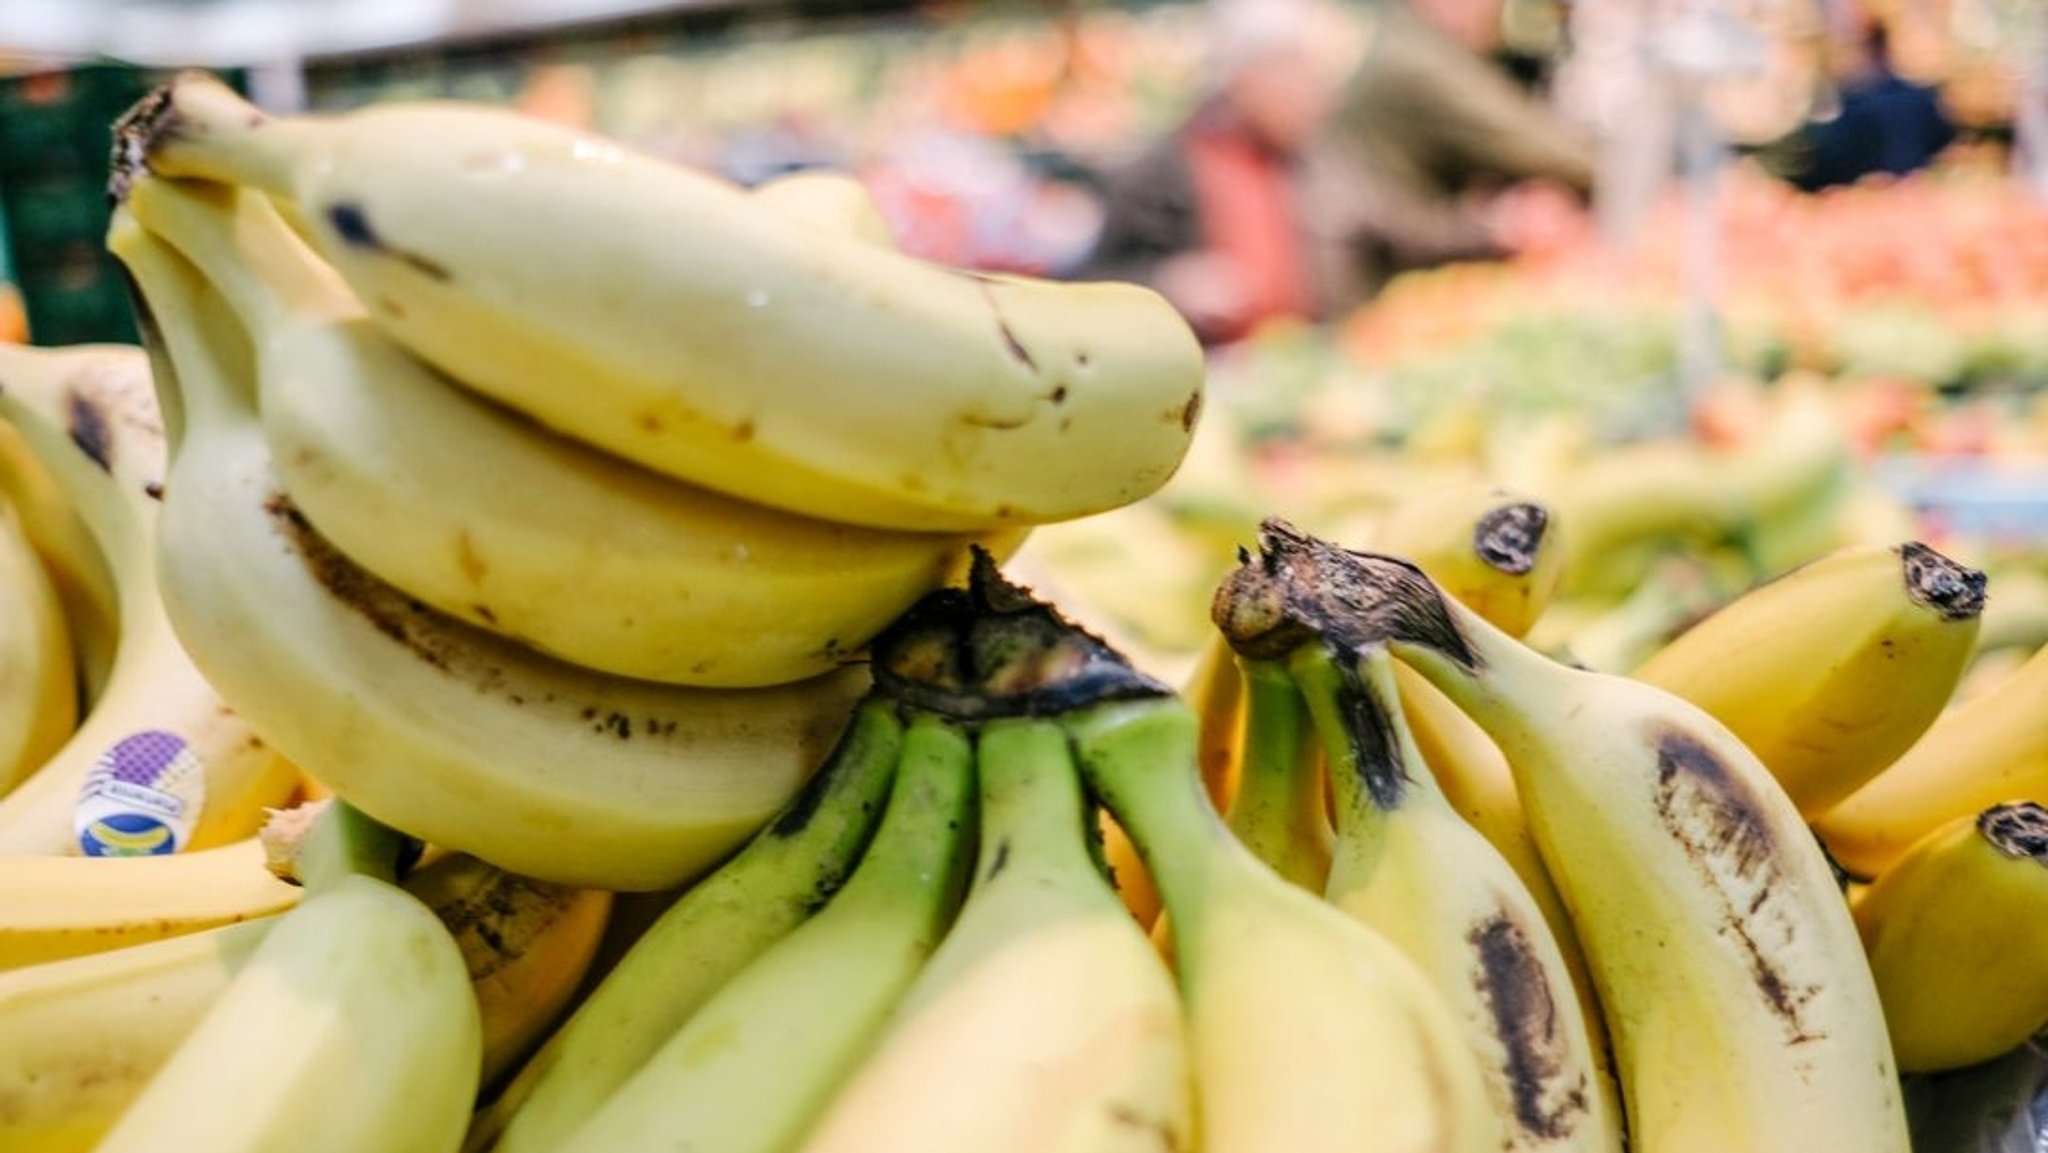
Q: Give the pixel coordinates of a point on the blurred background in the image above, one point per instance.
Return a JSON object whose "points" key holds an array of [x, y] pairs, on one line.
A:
{"points": [[1421, 239]]}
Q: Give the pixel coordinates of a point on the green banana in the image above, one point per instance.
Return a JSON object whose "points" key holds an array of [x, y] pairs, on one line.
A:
{"points": [[1046, 1022], [712, 932], [754, 1067]]}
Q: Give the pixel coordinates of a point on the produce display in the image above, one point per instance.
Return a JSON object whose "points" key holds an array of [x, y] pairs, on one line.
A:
{"points": [[544, 650]]}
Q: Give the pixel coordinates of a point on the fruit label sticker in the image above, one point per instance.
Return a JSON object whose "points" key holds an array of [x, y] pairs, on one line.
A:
{"points": [[142, 798]]}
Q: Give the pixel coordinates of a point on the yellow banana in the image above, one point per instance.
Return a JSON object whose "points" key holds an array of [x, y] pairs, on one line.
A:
{"points": [[1407, 866], [1045, 1023], [457, 736], [526, 943], [57, 907], [1742, 1013], [1305, 1030], [77, 569], [38, 677], [1831, 671], [158, 764], [1957, 932], [351, 1028], [85, 1034], [430, 211], [1988, 749], [586, 557], [1494, 550]]}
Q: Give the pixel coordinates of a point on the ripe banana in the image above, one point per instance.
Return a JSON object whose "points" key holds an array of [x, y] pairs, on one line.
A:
{"points": [[712, 932], [831, 202], [1989, 749], [350, 1029], [522, 532], [1742, 1013], [1410, 868], [85, 1035], [159, 764], [57, 907], [38, 678], [1957, 932], [1831, 671], [1474, 776], [1660, 492], [77, 570], [1279, 810], [457, 736], [1046, 1022], [525, 943], [1306, 1030], [429, 211], [1494, 550], [757, 1064]]}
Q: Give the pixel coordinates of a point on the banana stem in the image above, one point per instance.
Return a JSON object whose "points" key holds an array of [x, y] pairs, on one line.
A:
{"points": [[338, 841], [245, 250], [197, 126], [1279, 812], [918, 846]]}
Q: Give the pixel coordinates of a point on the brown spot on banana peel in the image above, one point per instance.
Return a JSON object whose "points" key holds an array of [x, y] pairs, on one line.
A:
{"points": [[1509, 538], [1933, 581], [1713, 816], [352, 224], [469, 560], [1369, 732], [1011, 344], [1551, 1100], [2019, 830], [1299, 586], [88, 426]]}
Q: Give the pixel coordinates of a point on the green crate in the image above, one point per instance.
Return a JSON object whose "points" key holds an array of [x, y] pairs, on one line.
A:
{"points": [[46, 214], [78, 298]]}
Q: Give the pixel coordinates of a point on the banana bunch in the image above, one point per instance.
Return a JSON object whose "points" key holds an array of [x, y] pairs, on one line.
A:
{"points": [[556, 535]]}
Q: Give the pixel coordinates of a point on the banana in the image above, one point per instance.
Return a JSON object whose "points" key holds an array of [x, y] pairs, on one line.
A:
{"points": [[1658, 492], [1279, 810], [351, 1028], [757, 1064], [1989, 749], [1305, 1030], [526, 944], [77, 569], [1957, 932], [1831, 671], [459, 737], [1741, 1010], [712, 932], [831, 202], [1494, 550], [1475, 779], [159, 764], [38, 680], [491, 245], [86, 1034], [583, 556], [1409, 867], [57, 907], [1046, 1021]]}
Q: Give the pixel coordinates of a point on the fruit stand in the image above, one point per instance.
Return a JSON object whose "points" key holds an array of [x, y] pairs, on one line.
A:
{"points": [[584, 621]]}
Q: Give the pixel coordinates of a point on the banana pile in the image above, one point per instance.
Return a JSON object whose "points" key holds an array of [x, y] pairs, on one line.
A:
{"points": [[499, 672]]}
